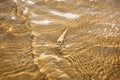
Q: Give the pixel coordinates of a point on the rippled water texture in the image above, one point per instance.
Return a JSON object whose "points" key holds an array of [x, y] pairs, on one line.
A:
{"points": [[88, 32]]}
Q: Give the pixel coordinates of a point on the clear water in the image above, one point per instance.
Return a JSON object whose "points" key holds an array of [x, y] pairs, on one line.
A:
{"points": [[29, 30]]}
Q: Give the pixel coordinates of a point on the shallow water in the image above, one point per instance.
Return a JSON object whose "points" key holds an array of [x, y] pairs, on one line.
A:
{"points": [[29, 30]]}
